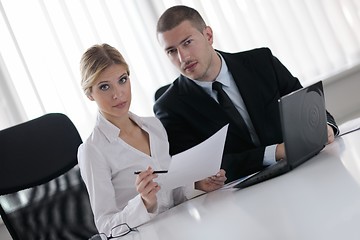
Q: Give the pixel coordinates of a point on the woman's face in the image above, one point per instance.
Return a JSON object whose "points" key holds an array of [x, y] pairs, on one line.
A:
{"points": [[112, 92]]}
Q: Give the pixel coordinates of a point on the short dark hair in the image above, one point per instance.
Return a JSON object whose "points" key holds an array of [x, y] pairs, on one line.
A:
{"points": [[175, 15]]}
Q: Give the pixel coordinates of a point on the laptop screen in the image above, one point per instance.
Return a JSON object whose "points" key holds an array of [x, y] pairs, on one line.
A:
{"points": [[303, 121]]}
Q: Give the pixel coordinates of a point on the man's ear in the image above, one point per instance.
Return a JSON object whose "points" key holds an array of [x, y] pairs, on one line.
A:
{"points": [[208, 33]]}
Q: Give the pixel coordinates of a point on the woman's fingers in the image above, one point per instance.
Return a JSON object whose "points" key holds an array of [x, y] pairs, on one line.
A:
{"points": [[145, 184]]}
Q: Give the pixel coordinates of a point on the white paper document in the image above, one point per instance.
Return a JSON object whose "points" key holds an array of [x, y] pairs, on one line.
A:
{"points": [[196, 163]]}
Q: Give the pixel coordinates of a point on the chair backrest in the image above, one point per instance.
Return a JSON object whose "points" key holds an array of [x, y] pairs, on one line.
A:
{"points": [[161, 91], [42, 193]]}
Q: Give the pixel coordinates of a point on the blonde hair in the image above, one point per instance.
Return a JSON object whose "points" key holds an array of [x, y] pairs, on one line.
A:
{"points": [[95, 60]]}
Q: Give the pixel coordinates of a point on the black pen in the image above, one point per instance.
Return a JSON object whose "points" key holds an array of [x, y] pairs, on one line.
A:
{"points": [[160, 171]]}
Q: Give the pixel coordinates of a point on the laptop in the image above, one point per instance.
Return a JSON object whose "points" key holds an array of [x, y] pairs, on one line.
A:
{"points": [[304, 129]]}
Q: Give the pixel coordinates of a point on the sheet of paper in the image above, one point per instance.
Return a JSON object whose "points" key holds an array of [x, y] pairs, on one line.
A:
{"points": [[196, 163]]}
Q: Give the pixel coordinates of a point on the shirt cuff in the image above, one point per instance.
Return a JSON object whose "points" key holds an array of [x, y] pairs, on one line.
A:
{"points": [[335, 128], [140, 209], [269, 155]]}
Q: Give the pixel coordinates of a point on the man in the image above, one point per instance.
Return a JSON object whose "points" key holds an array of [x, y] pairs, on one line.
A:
{"points": [[192, 107]]}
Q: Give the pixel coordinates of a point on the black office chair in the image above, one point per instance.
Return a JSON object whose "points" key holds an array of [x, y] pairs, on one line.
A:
{"points": [[42, 195], [161, 91]]}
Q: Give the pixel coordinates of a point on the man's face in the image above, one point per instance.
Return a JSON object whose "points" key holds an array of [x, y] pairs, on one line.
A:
{"points": [[189, 50]]}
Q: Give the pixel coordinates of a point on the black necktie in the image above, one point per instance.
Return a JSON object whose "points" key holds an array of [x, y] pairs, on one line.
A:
{"points": [[230, 109]]}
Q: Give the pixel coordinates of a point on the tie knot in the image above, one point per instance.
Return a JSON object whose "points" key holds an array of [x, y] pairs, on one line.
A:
{"points": [[217, 86]]}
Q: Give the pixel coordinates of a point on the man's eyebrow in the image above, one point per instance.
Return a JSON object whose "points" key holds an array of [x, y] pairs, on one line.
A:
{"points": [[182, 41]]}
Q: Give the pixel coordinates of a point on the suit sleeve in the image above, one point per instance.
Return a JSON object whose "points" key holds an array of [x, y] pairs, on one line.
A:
{"points": [[332, 123], [185, 129]]}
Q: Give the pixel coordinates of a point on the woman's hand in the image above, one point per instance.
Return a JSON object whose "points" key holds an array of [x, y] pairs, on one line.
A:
{"points": [[147, 188], [212, 183]]}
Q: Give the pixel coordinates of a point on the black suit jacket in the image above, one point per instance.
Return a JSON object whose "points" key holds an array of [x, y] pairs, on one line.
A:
{"points": [[190, 115]]}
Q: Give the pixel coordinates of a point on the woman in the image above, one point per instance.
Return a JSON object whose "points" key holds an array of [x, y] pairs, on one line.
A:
{"points": [[122, 143]]}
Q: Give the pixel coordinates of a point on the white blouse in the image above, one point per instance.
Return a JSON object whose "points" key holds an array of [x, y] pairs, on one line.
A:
{"points": [[107, 166]]}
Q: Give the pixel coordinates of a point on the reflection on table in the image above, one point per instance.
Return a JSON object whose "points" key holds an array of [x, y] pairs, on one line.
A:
{"points": [[318, 200]]}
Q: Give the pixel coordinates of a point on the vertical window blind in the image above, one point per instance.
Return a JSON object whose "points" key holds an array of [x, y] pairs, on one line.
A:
{"points": [[42, 41]]}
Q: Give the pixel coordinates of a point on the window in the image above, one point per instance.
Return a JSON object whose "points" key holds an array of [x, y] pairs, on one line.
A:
{"points": [[42, 41]]}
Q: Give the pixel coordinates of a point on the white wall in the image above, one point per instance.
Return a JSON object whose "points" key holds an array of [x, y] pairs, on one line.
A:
{"points": [[342, 94]]}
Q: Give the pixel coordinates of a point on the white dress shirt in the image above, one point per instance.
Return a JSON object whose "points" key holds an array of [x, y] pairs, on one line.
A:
{"points": [[107, 166]]}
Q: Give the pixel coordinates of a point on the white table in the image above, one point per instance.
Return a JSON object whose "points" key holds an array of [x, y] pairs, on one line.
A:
{"points": [[318, 200]]}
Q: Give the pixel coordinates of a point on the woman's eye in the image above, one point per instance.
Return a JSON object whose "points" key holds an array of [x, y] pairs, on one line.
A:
{"points": [[104, 87], [123, 79]]}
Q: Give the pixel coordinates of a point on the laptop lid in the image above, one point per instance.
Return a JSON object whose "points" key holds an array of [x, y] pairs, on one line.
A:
{"points": [[303, 122], [304, 129]]}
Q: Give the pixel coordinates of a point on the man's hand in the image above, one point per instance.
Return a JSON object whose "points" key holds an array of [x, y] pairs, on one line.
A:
{"points": [[330, 133], [280, 148], [212, 183], [280, 152]]}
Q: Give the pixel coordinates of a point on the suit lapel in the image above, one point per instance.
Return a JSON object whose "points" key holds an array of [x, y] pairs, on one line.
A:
{"points": [[195, 97]]}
